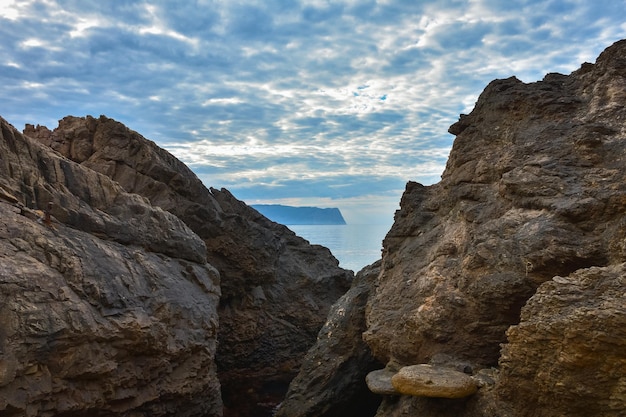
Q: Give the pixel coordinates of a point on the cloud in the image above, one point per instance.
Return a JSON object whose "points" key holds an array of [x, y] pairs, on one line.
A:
{"points": [[278, 100]]}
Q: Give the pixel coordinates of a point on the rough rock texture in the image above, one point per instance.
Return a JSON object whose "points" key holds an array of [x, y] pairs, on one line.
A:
{"points": [[534, 188], [433, 381], [276, 288], [111, 309], [571, 342], [331, 381]]}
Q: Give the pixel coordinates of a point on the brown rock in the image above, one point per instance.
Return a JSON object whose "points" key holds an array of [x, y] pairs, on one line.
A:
{"points": [[520, 201], [433, 381], [331, 381], [534, 188], [111, 312], [276, 288], [568, 354]]}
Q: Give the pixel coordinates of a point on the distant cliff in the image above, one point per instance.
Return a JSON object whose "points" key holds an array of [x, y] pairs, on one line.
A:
{"points": [[300, 215]]}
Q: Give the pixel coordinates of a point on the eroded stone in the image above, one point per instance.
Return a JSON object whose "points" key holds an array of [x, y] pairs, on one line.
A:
{"points": [[433, 381]]}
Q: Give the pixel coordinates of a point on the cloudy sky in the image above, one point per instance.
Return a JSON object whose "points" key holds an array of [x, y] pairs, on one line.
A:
{"points": [[332, 103]]}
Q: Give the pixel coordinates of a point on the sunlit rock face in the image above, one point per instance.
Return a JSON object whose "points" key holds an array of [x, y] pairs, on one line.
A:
{"points": [[531, 204], [276, 289]]}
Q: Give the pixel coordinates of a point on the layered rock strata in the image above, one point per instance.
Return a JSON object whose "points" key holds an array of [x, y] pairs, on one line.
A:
{"points": [[276, 288], [531, 204], [108, 306]]}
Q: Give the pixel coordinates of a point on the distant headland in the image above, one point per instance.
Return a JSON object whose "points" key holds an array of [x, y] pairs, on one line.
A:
{"points": [[290, 215]]}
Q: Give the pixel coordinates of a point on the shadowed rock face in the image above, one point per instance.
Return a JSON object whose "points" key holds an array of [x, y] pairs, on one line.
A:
{"points": [[331, 381], [276, 288], [110, 309], [534, 188]]}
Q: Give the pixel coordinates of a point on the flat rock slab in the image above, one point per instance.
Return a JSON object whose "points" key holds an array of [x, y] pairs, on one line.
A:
{"points": [[433, 381], [379, 382]]}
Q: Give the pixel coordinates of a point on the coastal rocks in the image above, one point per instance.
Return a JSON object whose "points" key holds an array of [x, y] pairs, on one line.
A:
{"points": [[331, 381], [520, 201], [431, 381], [111, 308], [568, 354], [276, 288], [530, 209]]}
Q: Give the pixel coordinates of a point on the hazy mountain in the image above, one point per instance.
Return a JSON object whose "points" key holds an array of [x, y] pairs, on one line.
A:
{"points": [[300, 215]]}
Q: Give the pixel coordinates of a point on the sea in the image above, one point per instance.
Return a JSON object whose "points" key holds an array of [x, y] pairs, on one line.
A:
{"points": [[354, 245]]}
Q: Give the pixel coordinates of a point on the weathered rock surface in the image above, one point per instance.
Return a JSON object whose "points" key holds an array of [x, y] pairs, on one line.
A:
{"points": [[568, 355], [331, 381], [109, 310], [433, 381], [276, 288], [534, 188]]}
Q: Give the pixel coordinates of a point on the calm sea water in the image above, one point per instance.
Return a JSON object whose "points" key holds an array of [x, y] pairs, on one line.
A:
{"points": [[354, 245]]}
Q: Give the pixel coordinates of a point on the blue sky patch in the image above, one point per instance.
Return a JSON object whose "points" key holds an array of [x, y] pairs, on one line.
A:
{"points": [[334, 104]]}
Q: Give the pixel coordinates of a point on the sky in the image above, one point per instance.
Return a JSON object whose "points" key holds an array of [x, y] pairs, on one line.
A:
{"points": [[328, 103]]}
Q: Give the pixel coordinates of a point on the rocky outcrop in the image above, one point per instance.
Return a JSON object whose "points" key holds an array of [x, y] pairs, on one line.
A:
{"points": [[276, 288], [534, 189], [331, 381], [567, 355], [109, 308]]}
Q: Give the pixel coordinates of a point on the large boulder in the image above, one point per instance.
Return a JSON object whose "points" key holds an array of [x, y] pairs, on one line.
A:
{"points": [[533, 188], [276, 288], [568, 354], [108, 306]]}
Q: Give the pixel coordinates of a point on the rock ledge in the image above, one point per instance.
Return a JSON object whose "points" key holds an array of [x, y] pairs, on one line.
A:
{"points": [[433, 381]]}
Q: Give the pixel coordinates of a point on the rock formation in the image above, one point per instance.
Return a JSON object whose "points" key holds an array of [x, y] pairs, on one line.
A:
{"points": [[109, 309], [567, 356], [433, 381], [508, 276], [511, 268], [276, 288], [332, 378]]}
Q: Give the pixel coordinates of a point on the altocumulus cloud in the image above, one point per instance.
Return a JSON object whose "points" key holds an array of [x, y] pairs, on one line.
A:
{"points": [[316, 102]]}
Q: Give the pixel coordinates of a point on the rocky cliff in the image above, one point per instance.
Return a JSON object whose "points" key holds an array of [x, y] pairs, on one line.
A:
{"points": [[113, 304], [107, 304], [509, 271]]}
